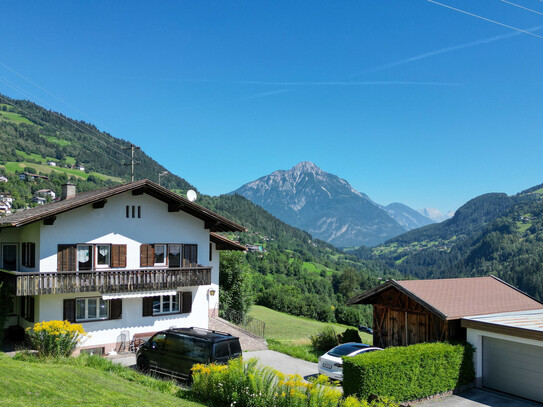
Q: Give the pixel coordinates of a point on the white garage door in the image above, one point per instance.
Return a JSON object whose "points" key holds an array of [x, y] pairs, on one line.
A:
{"points": [[513, 368]]}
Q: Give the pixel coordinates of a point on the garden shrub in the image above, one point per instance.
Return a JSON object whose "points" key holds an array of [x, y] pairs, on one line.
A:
{"points": [[55, 338], [325, 339], [249, 385], [350, 335], [410, 372]]}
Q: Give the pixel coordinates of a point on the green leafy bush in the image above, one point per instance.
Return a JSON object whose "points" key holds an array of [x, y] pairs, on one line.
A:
{"points": [[243, 384], [325, 339], [350, 335], [409, 373]]}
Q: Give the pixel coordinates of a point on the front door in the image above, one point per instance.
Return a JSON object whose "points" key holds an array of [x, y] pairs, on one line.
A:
{"points": [[9, 256]]}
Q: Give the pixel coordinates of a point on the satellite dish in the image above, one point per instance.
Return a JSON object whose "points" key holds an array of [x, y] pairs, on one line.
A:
{"points": [[191, 195]]}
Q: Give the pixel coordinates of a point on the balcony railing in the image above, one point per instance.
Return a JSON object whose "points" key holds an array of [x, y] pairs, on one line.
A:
{"points": [[106, 281]]}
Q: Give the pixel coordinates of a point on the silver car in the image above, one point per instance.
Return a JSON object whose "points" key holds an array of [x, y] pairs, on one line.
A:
{"points": [[331, 364]]}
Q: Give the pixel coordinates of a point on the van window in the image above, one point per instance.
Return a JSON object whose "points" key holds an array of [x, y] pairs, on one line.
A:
{"points": [[221, 350], [235, 347], [158, 341]]}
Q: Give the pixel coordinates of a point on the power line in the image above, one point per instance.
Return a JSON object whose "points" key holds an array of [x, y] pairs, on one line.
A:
{"points": [[522, 7], [62, 101], [133, 162], [485, 19], [59, 130]]}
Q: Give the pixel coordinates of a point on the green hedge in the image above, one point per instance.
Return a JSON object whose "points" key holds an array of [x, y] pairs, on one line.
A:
{"points": [[410, 372]]}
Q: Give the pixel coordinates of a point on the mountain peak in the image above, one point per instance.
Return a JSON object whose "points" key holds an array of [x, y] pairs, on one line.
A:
{"points": [[306, 166]]}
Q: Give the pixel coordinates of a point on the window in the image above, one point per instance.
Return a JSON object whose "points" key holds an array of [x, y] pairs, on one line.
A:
{"points": [[28, 254], [91, 308], [165, 304], [210, 252], [160, 254], [174, 255], [27, 308], [131, 210], [190, 255], [103, 255], [9, 256], [84, 257]]}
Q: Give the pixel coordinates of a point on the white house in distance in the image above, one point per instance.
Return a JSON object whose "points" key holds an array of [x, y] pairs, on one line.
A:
{"points": [[134, 257]]}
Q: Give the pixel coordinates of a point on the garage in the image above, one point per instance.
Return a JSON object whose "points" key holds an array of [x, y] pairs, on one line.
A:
{"points": [[508, 352], [513, 367]]}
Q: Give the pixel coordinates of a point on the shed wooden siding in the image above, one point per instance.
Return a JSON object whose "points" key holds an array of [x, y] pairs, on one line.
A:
{"points": [[398, 320]]}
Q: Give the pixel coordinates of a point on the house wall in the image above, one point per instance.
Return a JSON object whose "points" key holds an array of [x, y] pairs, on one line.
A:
{"points": [[475, 338], [109, 225]]}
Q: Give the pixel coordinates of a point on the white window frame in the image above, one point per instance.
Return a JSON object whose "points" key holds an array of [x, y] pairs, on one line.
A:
{"points": [[171, 298], [86, 317], [97, 249], [164, 253]]}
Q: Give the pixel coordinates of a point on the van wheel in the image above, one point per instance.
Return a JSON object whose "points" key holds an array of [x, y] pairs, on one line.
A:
{"points": [[143, 364]]}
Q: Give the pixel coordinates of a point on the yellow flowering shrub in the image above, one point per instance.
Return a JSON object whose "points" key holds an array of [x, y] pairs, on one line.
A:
{"points": [[55, 338], [245, 384]]}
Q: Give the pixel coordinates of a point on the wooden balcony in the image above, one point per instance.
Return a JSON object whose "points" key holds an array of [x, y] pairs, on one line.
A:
{"points": [[105, 281]]}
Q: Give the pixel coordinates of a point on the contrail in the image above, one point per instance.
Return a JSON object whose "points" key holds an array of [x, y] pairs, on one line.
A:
{"points": [[441, 51]]}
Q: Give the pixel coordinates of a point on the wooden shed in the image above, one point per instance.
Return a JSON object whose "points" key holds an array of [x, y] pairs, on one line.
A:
{"points": [[415, 311]]}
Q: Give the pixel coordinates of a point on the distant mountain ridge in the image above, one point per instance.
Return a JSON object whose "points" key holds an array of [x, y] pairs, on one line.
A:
{"points": [[435, 214], [408, 218], [324, 205]]}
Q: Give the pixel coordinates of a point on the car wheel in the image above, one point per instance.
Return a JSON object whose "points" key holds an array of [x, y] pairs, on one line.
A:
{"points": [[143, 364]]}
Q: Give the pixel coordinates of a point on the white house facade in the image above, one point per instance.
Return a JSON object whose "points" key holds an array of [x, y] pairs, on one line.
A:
{"points": [[126, 260]]}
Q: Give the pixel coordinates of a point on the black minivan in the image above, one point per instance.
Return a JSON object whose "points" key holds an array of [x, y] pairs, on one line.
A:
{"points": [[174, 351]]}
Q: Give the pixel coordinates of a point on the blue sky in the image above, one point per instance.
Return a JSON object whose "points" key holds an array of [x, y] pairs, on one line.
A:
{"points": [[409, 101]]}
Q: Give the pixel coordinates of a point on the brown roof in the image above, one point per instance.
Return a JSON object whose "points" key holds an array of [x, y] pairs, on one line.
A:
{"points": [[214, 222], [459, 297], [223, 243]]}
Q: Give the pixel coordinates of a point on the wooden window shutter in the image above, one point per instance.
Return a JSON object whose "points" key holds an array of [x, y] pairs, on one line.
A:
{"points": [[30, 311], [69, 310], [66, 257], [187, 302], [147, 306], [23, 305], [28, 254], [147, 255], [116, 309], [118, 255]]}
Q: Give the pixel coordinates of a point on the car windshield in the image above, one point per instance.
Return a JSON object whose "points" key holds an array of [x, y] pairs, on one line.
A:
{"points": [[346, 349]]}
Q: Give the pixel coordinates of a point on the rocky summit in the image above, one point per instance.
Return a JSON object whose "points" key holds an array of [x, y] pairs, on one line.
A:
{"points": [[323, 204]]}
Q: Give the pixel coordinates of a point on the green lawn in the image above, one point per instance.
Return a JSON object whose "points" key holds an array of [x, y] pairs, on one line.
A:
{"points": [[59, 141], [12, 167], [296, 330], [13, 117], [24, 383]]}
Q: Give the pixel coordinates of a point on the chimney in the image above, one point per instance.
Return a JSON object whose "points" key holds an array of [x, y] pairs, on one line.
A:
{"points": [[68, 191]]}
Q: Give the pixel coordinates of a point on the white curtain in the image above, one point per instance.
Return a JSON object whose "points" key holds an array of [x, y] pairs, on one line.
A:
{"points": [[175, 249], [83, 254]]}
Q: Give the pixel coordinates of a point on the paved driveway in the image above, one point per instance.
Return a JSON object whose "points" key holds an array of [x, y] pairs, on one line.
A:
{"points": [[283, 363], [479, 398]]}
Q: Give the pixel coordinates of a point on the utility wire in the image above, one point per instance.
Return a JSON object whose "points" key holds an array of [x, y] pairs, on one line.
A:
{"points": [[78, 125], [522, 7], [59, 130], [485, 19]]}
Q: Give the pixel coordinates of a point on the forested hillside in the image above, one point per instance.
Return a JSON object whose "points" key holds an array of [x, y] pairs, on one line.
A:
{"points": [[293, 273], [491, 234]]}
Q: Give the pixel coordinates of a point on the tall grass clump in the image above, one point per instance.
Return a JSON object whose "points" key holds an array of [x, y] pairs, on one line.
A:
{"points": [[245, 384], [55, 338]]}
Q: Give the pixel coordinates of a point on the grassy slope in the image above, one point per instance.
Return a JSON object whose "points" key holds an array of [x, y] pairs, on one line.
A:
{"points": [[297, 330], [36, 384], [12, 167]]}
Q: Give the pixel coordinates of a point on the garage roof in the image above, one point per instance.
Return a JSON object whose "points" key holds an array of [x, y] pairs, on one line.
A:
{"points": [[526, 324], [455, 298]]}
